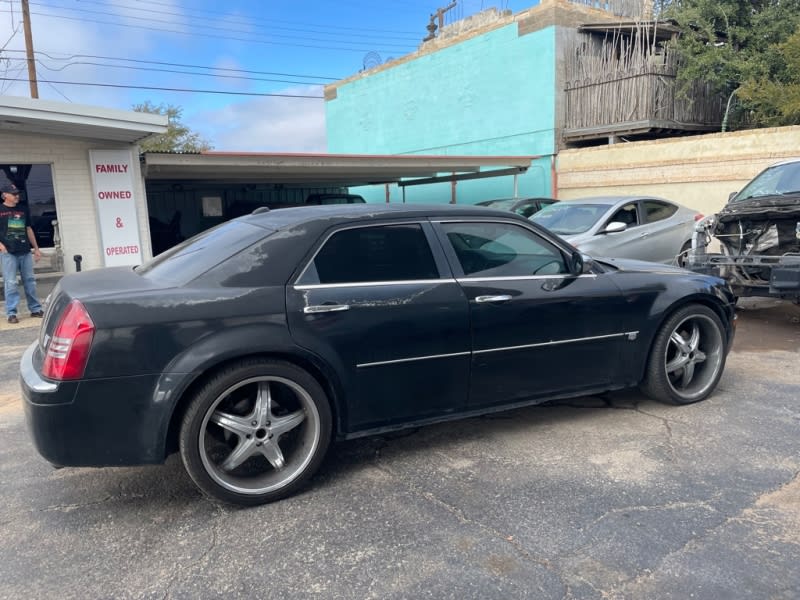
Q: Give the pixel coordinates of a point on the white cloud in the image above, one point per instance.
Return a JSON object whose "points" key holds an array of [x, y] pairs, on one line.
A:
{"points": [[270, 124], [82, 34]]}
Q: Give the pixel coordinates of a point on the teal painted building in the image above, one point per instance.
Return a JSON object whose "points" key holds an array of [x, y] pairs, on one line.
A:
{"points": [[491, 93], [489, 88]]}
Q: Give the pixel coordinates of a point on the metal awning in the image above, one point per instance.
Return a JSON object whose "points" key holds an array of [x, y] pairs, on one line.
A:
{"points": [[343, 170], [26, 115]]}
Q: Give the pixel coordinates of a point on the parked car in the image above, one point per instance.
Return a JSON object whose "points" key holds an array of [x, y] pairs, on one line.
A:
{"points": [[759, 235], [643, 228], [334, 199], [249, 347], [521, 206]]}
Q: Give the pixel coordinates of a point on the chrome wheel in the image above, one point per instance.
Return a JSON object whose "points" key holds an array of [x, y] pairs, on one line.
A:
{"points": [[255, 431], [259, 435], [687, 356]]}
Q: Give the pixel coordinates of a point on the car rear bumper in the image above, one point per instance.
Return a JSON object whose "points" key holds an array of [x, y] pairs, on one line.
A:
{"points": [[93, 423]]}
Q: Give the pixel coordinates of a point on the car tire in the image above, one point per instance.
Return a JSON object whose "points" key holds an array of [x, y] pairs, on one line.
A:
{"points": [[687, 356], [255, 432]]}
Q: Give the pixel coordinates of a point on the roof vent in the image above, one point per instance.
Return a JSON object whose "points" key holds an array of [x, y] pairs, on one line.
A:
{"points": [[261, 209]]}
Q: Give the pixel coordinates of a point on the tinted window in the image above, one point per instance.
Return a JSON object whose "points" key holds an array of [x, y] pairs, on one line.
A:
{"points": [[369, 254], [503, 250], [627, 214], [655, 210], [197, 255]]}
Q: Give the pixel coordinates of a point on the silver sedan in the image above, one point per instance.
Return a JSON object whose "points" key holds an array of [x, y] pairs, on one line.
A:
{"points": [[643, 228]]}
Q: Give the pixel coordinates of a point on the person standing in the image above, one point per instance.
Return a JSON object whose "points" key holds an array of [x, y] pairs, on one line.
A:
{"points": [[16, 241]]}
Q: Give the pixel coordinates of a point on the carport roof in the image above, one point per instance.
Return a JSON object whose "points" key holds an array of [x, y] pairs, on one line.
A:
{"points": [[27, 115], [326, 169]]}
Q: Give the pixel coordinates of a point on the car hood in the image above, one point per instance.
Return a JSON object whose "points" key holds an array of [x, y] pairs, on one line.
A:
{"points": [[770, 207], [638, 266]]}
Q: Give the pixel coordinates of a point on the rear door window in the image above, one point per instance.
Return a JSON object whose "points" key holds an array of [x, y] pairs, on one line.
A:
{"points": [[655, 210], [373, 254]]}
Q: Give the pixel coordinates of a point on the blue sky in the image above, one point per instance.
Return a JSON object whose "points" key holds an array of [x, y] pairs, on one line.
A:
{"points": [[247, 49]]}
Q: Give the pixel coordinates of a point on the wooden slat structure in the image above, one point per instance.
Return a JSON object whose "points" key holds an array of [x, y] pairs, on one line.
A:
{"points": [[623, 81]]}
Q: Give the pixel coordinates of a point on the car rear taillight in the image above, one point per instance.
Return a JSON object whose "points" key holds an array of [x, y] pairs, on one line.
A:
{"points": [[68, 350], [699, 217]]}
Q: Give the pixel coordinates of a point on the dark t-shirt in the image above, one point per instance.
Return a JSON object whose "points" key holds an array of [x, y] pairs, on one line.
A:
{"points": [[13, 229]]}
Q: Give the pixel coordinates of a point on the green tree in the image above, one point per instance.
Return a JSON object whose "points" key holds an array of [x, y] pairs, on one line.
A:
{"points": [[744, 47], [178, 137]]}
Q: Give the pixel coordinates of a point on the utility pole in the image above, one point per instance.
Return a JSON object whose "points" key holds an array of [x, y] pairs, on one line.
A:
{"points": [[26, 20]]}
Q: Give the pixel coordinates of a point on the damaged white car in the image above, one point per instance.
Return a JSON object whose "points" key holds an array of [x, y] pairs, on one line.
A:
{"points": [[759, 236]]}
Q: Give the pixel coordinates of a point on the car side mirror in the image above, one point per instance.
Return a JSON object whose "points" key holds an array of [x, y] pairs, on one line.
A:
{"points": [[615, 227], [732, 195], [579, 263]]}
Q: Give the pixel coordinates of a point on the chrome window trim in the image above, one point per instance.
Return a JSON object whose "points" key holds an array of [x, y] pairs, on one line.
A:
{"points": [[413, 359], [356, 226], [325, 286], [462, 280], [631, 335]]}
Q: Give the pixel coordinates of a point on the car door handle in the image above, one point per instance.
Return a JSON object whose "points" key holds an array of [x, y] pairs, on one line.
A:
{"points": [[643, 235], [325, 308], [501, 298]]}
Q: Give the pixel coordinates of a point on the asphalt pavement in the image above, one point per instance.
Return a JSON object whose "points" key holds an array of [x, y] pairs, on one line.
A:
{"points": [[602, 497]]}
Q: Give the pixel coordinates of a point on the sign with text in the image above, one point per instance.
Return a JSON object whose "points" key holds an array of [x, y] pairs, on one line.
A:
{"points": [[115, 198]]}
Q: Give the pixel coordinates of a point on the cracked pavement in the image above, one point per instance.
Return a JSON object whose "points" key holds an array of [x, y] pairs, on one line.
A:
{"points": [[611, 496]]}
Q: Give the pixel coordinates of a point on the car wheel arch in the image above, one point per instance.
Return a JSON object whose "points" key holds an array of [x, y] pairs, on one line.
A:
{"points": [[702, 299], [324, 376]]}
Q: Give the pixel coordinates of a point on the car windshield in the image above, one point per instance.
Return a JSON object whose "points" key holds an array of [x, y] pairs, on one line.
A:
{"points": [[501, 204], [779, 180], [570, 218]]}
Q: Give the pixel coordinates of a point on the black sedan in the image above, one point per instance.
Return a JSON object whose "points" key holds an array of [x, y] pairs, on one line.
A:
{"points": [[249, 347]]}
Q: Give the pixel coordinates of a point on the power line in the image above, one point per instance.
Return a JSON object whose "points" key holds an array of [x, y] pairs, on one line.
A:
{"points": [[49, 54], [155, 70], [167, 89], [251, 21], [205, 35], [210, 27], [227, 15]]}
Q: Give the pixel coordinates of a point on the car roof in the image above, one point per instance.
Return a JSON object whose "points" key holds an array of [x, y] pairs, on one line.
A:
{"points": [[788, 161], [334, 213], [611, 200], [518, 198]]}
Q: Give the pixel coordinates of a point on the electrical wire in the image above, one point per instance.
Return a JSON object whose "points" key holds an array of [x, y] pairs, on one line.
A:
{"points": [[154, 70], [168, 89], [210, 27], [49, 54], [227, 16], [204, 35]]}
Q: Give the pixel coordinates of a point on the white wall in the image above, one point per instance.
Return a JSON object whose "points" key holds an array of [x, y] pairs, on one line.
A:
{"points": [[72, 183]]}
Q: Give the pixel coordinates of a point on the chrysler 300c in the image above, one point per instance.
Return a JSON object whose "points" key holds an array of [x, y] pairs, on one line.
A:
{"points": [[252, 346]]}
